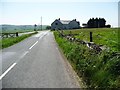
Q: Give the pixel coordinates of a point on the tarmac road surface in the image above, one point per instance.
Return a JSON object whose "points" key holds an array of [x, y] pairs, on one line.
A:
{"points": [[36, 62]]}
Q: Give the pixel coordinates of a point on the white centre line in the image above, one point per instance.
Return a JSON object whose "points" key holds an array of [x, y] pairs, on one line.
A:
{"points": [[24, 54], [7, 70], [45, 33], [40, 37], [33, 45]]}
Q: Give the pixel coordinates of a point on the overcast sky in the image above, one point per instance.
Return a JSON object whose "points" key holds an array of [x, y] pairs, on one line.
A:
{"points": [[29, 12]]}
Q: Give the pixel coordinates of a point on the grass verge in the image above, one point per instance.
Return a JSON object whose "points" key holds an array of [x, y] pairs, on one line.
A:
{"points": [[97, 70], [101, 36], [6, 42]]}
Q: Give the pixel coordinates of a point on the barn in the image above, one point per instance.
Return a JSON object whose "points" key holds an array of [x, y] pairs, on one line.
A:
{"points": [[65, 24]]}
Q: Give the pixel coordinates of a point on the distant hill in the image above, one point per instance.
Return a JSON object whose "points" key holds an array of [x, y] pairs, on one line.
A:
{"points": [[20, 28]]}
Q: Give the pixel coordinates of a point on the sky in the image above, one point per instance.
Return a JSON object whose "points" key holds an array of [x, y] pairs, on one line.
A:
{"points": [[29, 12]]}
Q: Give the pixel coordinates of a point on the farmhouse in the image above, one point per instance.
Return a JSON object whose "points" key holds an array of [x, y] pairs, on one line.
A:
{"points": [[65, 24]]}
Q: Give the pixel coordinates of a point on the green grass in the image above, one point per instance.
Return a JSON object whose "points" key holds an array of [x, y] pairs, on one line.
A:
{"points": [[101, 36], [97, 70], [6, 42], [14, 31]]}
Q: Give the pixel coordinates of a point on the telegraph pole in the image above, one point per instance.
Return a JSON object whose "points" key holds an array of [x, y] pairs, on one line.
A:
{"points": [[41, 22]]}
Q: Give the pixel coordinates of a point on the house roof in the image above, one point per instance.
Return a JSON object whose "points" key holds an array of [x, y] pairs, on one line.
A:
{"points": [[65, 21]]}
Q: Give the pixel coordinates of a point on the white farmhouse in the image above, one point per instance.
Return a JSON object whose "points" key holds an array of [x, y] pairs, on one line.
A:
{"points": [[65, 24]]}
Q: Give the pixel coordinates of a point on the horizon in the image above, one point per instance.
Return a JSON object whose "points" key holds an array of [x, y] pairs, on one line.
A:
{"points": [[27, 13], [44, 25], [22, 25]]}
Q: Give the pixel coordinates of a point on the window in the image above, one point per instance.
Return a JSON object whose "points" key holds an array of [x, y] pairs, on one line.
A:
{"points": [[56, 23]]}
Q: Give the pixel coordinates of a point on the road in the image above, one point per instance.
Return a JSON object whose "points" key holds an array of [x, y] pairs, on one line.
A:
{"points": [[20, 34], [36, 62]]}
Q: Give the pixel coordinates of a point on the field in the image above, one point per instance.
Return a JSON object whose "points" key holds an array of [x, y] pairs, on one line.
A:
{"points": [[101, 36], [14, 31], [6, 42], [97, 70], [20, 28]]}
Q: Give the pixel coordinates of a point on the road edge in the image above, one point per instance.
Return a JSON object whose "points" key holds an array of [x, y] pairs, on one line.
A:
{"points": [[71, 71]]}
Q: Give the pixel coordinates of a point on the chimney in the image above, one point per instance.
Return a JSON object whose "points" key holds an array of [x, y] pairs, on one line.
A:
{"points": [[59, 19]]}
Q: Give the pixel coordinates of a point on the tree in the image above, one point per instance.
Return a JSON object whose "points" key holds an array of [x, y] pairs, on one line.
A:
{"points": [[48, 27], [35, 27], [96, 23], [102, 22]]}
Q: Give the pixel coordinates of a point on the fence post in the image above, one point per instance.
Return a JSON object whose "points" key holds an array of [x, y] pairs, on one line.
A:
{"points": [[7, 35], [91, 37], [16, 34]]}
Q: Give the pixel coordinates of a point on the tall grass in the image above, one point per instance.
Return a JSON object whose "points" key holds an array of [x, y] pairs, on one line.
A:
{"points": [[6, 42], [97, 70]]}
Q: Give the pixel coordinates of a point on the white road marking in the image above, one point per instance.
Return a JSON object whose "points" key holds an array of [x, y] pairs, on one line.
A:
{"points": [[45, 33], [40, 37], [24, 54], [33, 45], [13, 65], [7, 70]]}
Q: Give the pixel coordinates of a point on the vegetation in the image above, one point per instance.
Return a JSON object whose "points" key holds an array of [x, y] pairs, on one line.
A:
{"points": [[100, 70], [97, 23], [6, 42], [101, 36], [20, 28], [48, 27]]}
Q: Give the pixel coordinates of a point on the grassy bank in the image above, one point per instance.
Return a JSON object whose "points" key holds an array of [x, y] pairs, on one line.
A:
{"points": [[97, 70], [6, 42]]}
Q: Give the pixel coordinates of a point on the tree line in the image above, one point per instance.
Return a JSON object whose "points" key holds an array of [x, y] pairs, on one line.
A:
{"points": [[96, 23]]}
